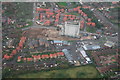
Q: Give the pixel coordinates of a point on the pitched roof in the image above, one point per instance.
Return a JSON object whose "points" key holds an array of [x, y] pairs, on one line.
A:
{"points": [[14, 52], [19, 57], [89, 19], [93, 24], [38, 57], [45, 56], [24, 59], [6, 56], [29, 59], [18, 48], [62, 10]]}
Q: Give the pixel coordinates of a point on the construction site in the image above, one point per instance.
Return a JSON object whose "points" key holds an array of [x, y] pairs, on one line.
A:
{"points": [[50, 34]]}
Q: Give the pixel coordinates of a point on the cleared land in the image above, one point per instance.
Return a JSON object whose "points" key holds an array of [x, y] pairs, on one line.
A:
{"points": [[87, 71], [49, 34]]}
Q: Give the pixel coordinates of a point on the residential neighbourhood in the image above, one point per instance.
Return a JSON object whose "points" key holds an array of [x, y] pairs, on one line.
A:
{"points": [[47, 38]]}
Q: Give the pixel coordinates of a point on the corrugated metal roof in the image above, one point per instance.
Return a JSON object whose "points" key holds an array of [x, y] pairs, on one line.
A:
{"points": [[88, 59], [91, 47], [57, 41], [109, 44], [82, 52], [68, 56]]}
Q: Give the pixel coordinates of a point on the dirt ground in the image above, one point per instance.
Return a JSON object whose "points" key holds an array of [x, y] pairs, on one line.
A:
{"points": [[49, 34]]}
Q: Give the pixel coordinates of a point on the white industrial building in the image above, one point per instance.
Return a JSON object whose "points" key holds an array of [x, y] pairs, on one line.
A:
{"points": [[91, 47], [85, 55], [109, 44], [72, 29]]}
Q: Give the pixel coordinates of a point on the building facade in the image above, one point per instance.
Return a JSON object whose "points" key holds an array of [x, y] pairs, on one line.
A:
{"points": [[72, 29]]}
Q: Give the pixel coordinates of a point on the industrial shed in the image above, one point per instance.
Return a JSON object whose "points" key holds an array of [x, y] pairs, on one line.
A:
{"points": [[68, 56], [91, 47], [109, 44]]}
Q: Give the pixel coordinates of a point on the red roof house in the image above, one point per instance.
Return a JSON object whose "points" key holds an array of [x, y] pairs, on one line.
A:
{"points": [[14, 52], [19, 59], [29, 59], [54, 55], [93, 24], [89, 23], [51, 55], [45, 56], [47, 22], [38, 57], [60, 54], [89, 19], [18, 48], [24, 59], [65, 18], [62, 10], [6, 57]]}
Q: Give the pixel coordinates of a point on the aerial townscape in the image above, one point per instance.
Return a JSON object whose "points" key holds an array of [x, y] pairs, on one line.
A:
{"points": [[60, 40]]}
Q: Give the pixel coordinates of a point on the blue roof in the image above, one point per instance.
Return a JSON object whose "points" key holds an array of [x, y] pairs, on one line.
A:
{"points": [[57, 41]]}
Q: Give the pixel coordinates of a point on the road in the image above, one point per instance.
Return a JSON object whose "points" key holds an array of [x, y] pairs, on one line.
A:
{"points": [[34, 13]]}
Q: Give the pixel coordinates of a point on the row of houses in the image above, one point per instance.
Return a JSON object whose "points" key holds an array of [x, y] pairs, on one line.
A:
{"points": [[18, 48], [38, 57], [91, 24]]}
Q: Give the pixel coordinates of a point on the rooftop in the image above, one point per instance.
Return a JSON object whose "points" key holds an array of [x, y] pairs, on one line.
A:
{"points": [[67, 54], [91, 47]]}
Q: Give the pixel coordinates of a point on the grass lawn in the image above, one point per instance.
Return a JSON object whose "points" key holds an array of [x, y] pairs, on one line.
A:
{"points": [[91, 29], [72, 13], [87, 71], [62, 3]]}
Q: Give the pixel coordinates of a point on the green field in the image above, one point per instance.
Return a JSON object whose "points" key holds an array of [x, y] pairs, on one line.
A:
{"points": [[62, 3], [87, 71], [91, 29]]}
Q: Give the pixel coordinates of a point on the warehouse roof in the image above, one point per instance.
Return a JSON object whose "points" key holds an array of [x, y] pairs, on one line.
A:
{"points": [[82, 52], [91, 47], [67, 54], [109, 44]]}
